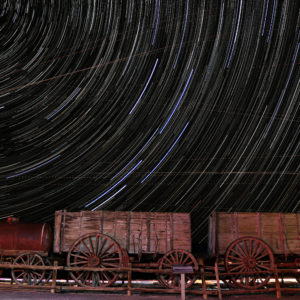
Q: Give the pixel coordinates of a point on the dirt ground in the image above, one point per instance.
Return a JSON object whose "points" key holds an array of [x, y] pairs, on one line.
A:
{"points": [[30, 295]]}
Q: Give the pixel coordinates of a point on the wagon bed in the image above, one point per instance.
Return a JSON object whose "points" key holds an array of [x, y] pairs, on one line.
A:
{"points": [[137, 232], [280, 231]]}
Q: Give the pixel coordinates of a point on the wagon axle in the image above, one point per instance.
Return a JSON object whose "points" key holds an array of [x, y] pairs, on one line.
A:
{"points": [[250, 262], [94, 261]]}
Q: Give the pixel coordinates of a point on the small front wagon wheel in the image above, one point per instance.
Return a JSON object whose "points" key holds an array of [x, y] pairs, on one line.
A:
{"points": [[28, 276], [177, 257]]}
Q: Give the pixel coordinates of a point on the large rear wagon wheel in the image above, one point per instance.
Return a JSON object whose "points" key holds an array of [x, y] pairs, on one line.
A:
{"points": [[249, 255], [96, 251], [177, 257]]}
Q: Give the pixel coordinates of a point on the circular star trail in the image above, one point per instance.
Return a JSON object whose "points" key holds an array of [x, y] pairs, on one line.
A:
{"points": [[153, 105]]}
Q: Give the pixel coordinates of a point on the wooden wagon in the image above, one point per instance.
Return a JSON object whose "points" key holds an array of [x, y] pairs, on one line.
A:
{"points": [[250, 243], [113, 238]]}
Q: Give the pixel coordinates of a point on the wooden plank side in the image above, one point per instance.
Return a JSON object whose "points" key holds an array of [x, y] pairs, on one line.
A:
{"points": [[70, 230], [158, 240], [224, 231], [138, 232], [122, 228], [280, 231], [247, 224], [181, 231]]}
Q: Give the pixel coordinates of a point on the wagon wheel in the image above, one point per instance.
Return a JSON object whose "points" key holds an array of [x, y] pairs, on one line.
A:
{"points": [[97, 251], [177, 257], [249, 254], [158, 276], [28, 276]]}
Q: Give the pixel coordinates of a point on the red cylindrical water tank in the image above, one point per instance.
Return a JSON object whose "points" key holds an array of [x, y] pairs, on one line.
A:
{"points": [[19, 236]]}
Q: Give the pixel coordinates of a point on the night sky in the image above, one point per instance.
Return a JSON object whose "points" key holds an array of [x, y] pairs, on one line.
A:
{"points": [[149, 105]]}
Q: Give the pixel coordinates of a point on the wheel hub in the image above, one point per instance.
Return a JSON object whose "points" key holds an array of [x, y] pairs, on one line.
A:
{"points": [[93, 261], [250, 262]]}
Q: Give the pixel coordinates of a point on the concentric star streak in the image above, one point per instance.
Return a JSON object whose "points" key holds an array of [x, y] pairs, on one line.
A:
{"points": [[149, 105]]}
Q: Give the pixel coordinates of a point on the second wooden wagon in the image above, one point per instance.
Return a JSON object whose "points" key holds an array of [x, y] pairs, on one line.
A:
{"points": [[113, 238], [250, 243]]}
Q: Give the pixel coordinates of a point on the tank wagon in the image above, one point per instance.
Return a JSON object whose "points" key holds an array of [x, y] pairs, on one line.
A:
{"points": [[101, 239], [23, 243]]}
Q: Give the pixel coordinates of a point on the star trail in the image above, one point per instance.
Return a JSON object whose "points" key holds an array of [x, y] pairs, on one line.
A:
{"points": [[150, 105]]}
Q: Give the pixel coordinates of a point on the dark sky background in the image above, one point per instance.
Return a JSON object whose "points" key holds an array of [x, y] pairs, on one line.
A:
{"points": [[149, 105]]}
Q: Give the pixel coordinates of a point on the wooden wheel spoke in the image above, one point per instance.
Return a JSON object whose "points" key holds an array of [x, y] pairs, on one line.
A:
{"points": [[93, 279], [86, 247], [168, 265], [237, 267], [254, 279], [234, 258], [91, 245], [31, 259], [264, 263], [188, 277], [108, 248], [97, 245], [264, 255], [255, 248], [97, 278], [108, 254], [250, 247], [185, 260], [244, 269], [246, 248], [247, 280], [110, 259], [171, 263], [79, 250], [23, 262], [172, 257], [172, 280], [79, 256], [81, 274], [104, 240], [101, 276], [241, 250], [37, 274], [106, 276], [259, 251], [21, 274], [237, 253], [181, 258], [87, 276], [110, 265], [263, 267], [176, 257]]}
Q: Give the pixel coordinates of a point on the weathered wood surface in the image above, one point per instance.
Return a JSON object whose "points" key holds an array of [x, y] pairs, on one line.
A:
{"points": [[138, 232], [281, 231]]}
